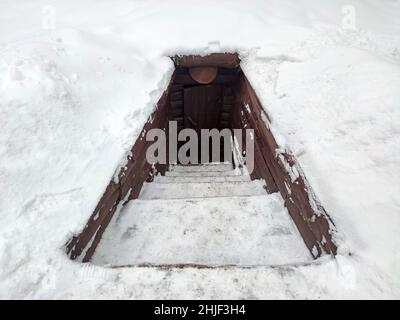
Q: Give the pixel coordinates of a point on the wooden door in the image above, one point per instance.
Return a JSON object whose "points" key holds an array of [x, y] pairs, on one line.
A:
{"points": [[202, 109]]}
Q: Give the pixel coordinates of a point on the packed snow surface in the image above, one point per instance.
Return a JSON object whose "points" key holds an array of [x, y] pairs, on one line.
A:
{"points": [[78, 79]]}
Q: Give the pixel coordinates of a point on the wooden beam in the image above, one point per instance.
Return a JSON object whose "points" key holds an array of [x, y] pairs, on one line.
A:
{"points": [[226, 60]]}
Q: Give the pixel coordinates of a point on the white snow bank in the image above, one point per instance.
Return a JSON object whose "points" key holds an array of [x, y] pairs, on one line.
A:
{"points": [[75, 93]]}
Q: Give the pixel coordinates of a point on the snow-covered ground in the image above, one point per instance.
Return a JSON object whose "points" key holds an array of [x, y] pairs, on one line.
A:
{"points": [[79, 78]]}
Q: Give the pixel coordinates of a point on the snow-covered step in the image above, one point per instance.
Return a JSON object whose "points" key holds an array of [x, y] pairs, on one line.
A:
{"points": [[155, 190], [245, 231], [200, 179], [201, 174], [217, 167]]}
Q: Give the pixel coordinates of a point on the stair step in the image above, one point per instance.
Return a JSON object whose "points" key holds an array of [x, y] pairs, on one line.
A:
{"points": [[202, 168], [254, 230], [200, 190], [230, 173], [200, 179]]}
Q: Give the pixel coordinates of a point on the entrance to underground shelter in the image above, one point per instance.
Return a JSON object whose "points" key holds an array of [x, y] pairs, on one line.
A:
{"points": [[207, 214]]}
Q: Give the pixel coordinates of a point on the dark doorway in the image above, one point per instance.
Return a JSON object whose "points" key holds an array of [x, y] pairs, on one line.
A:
{"points": [[197, 106], [202, 107]]}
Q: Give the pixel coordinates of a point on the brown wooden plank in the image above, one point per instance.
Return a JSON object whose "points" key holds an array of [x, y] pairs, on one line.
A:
{"points": [[226, 60]]}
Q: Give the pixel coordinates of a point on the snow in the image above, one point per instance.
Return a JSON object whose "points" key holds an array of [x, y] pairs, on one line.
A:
{"points": [[74, 96]]}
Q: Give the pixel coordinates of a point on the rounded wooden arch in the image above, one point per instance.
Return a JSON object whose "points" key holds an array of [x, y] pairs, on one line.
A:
{"points": [[203, 75]]}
